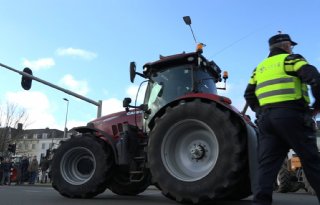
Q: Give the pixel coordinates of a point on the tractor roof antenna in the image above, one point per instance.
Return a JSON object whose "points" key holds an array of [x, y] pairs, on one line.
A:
{"points": [[187, 20]]}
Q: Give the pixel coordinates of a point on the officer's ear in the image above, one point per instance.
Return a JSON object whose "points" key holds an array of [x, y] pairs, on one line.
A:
{"points": [[287, 47]]}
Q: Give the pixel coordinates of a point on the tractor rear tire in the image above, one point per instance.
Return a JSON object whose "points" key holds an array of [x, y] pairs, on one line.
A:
{"points": [[121, 185], [82, 167], [198, 152]]}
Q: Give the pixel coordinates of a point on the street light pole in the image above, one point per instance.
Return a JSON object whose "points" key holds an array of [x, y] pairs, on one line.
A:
{"points": [[65, 123]]}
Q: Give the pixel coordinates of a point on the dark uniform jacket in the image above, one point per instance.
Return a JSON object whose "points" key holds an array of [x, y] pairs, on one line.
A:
{"points": [[7, 166], [308, 75]]}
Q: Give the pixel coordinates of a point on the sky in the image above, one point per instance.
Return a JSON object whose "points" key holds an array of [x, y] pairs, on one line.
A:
{"points": [[87, 46]]}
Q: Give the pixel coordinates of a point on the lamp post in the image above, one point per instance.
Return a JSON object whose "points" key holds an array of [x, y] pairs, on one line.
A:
{"points": [[65, 123]]}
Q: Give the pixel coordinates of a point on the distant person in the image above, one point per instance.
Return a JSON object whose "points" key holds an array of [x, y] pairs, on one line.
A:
{"points": [[24, 170], [6, 166], [17, 167], [33, 170], [44, 165], [1, 169]]}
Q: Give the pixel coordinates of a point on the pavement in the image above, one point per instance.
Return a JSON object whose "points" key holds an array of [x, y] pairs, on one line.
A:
{"points": [[27, 184]]}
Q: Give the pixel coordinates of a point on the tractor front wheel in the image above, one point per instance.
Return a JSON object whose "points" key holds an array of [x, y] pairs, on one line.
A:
{"points": [[82, 167]]}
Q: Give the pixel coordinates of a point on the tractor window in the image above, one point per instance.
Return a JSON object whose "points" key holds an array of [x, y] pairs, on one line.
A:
{"points": [[168, 85], [155, 92], [204, 82]]}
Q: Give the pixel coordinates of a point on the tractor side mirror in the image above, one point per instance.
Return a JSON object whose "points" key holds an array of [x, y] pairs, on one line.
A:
{"points": [[132, 71], [26, 82], [126, 102]]}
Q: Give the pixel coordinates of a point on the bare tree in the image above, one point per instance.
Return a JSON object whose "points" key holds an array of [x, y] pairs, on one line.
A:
{"points": [[10, 116]]}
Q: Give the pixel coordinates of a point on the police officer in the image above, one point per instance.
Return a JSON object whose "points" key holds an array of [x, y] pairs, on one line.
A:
{"points": [[278, 93]]}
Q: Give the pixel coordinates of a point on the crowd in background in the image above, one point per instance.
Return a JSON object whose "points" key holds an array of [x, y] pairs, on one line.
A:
{"points": [[25, 170]]}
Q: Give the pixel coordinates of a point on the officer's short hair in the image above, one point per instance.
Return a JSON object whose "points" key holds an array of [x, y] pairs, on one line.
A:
{"points": [[278, 45]]}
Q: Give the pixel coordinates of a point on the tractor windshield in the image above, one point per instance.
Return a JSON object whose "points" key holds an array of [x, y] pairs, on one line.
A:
{"points": [[169, 84]]}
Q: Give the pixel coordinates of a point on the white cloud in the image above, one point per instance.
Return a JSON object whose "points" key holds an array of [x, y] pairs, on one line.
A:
{"points": [[111, 105], [42, 63], [74, 123], [87, 55], [77, 86], [39, 109], [133, 90], [37, 106]]}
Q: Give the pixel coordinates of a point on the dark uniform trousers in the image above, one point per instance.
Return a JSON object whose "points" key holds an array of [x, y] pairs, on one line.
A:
{"points": [[281, 129]]}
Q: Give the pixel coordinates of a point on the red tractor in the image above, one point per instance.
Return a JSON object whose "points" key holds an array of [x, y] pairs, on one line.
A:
{"points": [[190, 141], [185, 139]]}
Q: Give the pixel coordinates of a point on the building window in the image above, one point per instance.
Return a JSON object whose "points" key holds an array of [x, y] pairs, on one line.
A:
{"points": [[33, 146], [44, 135], [35, 136], [43, 146], [25, 137], [19, 146]]}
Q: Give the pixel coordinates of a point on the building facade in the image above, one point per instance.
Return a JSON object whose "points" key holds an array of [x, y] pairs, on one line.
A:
{"points": [[34, 142]]}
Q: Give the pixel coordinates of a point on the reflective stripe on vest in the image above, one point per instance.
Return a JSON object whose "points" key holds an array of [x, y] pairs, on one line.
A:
{"points": [[275, 85]]}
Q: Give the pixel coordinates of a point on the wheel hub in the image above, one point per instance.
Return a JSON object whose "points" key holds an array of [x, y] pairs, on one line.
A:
{"points": [[197, 151], [189, 150], [78, 165]]}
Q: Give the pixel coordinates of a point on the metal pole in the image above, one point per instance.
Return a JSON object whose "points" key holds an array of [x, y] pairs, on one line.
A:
{"points": [[65, 123], [98, 104], [99, 108]]}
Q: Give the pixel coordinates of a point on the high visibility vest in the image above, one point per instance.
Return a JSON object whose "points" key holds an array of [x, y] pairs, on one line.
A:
{"points": [[274, 85]]}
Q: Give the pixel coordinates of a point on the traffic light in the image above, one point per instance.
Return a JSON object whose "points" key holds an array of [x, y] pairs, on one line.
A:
{"points": [[12, 148], [26, 82]]}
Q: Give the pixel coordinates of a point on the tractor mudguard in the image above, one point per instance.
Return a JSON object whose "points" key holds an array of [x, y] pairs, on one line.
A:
{"points": [[223, 101], [252, 140], [105, 136]]}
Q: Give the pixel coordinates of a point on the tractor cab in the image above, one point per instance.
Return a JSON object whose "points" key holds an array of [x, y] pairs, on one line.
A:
{"points": [[173, 77]]}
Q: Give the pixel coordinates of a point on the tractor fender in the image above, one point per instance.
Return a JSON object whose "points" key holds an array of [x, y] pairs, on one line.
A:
{"points": [[222, 101], [101, 134]]}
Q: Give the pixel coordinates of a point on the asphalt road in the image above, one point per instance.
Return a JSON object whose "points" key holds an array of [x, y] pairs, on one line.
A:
{"points": [[45, 195]]}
